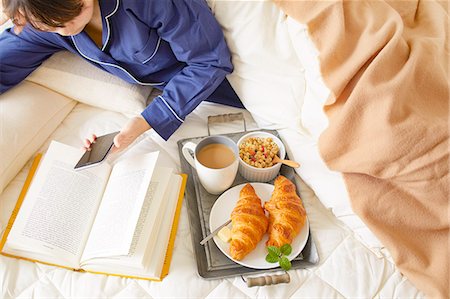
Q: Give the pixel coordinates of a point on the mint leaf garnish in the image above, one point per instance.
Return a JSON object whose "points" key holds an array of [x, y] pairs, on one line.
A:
{"points": [[274, 250], [272, 258], [286, 249], [276, 254], [285, 264]]}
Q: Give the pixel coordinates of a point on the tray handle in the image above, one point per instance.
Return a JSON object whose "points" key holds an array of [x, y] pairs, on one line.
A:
{"points": [[226, 118], [267, 280]]}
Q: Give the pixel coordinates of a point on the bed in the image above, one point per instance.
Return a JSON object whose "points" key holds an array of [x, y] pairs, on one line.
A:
{"points": [[353, 260], [348, 268]]}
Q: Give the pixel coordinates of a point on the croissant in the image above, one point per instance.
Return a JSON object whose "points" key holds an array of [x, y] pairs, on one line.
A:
{"points": [[286, 213], [249, 223]]}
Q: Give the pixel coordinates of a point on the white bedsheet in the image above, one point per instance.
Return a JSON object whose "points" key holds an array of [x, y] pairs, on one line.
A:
{"points": [[347, 268]]}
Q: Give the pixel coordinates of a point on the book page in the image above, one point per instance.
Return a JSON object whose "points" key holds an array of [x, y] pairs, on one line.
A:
{"points": [[149, 222], [156, 261], [122, 202], [153, 265], [58, 210], [151, 217]]}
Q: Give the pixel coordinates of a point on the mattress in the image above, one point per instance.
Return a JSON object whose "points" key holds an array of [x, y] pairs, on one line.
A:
{"points": [[349, 265]]}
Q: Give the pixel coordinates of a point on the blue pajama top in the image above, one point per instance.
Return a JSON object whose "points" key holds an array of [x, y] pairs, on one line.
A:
{"points": [[173, 45]]}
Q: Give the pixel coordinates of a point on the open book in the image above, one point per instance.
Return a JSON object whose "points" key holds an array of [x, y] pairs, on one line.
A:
{"points": [[118, 220]]}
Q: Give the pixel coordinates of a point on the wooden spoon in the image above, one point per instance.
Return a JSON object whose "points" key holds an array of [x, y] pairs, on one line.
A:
{"points": [[290, 163]]}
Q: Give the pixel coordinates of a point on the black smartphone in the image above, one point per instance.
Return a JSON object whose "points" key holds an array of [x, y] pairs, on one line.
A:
{"points": [[99, 151]]}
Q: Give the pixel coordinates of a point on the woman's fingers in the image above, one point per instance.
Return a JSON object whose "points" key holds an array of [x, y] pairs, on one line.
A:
{"points": [[132, 130], [114, 149], [93, 138], [88, 142], [119, 142], [123, 140]]}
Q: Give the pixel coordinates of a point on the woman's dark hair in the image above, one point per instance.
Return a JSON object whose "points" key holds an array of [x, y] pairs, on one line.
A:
{"points": [[52, 13]]}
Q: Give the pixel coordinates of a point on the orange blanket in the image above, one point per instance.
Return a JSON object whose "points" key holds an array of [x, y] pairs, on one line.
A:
{"points": [[386, 63]]}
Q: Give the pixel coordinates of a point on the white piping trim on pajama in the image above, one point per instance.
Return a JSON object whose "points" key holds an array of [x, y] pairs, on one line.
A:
{"points": [[154, 52], [170, 108], [113, 65], [108, 26]]}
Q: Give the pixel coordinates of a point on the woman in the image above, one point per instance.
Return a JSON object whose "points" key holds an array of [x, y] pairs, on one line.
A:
{"points": [[173, 45]]}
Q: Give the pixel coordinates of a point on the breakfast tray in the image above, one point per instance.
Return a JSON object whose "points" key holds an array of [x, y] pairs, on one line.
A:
{"points": [[211, 262]]}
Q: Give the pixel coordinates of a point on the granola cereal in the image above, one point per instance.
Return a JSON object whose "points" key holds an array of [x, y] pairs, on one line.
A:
{"points": [[258, 151]]}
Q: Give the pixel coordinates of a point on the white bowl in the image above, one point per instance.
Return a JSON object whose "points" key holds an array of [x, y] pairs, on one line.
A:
{"points": [[254, 174]]}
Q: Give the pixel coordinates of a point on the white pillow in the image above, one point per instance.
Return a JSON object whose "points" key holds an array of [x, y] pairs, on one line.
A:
{"points": [[313, 116], [72, 76], [29, 113], [268, 76]]}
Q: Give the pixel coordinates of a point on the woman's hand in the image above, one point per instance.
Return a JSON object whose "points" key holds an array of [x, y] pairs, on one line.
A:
{"points": [[132, 130]]}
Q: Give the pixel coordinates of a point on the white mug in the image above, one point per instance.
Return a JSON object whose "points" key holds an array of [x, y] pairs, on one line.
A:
{"points": [[214, 180]]}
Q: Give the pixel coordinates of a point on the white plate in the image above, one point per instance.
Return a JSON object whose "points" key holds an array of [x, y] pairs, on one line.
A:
{"points": [[256, 259]]}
